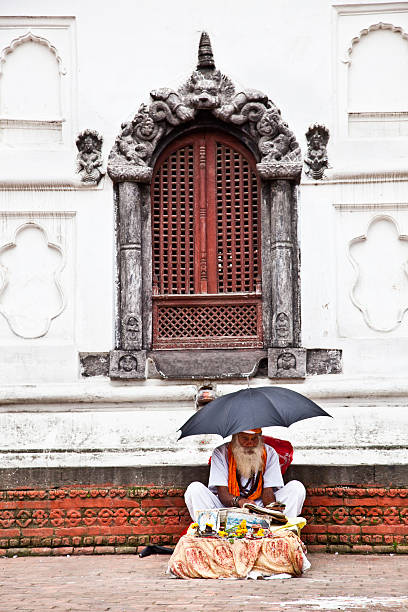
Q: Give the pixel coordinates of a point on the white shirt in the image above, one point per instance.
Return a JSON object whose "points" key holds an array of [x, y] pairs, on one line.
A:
{"points": [[272, 476]]}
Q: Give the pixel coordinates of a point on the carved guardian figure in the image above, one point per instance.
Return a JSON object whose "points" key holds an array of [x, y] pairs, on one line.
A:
{"points": [[316, 160], [89, 158]]}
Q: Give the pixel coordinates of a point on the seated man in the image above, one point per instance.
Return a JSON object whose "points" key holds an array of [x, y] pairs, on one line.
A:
{"points": [[241, 470]]}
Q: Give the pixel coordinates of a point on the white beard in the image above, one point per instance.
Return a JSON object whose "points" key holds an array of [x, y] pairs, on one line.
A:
{"points": [[249, 460]]}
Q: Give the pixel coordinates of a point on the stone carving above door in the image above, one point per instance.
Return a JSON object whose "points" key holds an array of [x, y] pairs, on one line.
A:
{"points": [[209, 90]]}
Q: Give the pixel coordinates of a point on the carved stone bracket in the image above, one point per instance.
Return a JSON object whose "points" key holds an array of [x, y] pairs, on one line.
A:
{"points": [[206, 89], [127, 364], [285, 170], [287, 363]]}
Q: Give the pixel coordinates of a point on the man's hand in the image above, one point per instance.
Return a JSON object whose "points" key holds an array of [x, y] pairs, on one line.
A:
{"points": [[268, 496], [227, 498]]}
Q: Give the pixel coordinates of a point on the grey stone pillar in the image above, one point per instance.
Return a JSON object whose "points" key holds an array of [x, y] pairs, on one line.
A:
{"points": [[280, 271], [281, 263], [130, 264], [133, 319]]}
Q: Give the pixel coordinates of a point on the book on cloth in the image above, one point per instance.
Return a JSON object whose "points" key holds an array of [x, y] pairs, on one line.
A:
{"points": [[275, 516]]}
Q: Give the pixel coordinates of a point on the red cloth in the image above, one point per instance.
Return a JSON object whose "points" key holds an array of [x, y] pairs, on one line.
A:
{"points": [[284, 450]]}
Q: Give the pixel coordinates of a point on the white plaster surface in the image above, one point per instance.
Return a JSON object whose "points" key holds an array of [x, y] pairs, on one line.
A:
{"points": [[358, 434], [297, 52], [101, 424]]}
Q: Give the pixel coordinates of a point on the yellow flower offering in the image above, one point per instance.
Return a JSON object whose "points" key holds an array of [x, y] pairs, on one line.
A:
{"points": [[240, 532], [222, 534], [260, 533], [192, 530]]}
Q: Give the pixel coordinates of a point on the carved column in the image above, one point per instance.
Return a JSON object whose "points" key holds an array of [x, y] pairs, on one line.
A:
{"points": [[130, 264], [280, 264], [128, 360]]}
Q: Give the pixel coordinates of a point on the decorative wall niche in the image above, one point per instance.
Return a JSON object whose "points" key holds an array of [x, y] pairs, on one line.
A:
{"points": [[207, 101], [31, 294], [372, 267], [370, 64], [37, 82], [380, 261], [36, 277], [377, 105], [30, 92]]}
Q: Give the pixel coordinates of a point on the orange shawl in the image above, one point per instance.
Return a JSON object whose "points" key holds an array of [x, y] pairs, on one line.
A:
{"points": [[233, 486]]}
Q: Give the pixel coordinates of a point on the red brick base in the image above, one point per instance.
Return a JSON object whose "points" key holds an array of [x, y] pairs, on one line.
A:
{"points": [[356, 519], [90, 519], [95, 519]]}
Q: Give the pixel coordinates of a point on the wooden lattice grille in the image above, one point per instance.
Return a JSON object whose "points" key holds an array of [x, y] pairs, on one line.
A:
{"points": [[211, 321], [173, 223], [222, 320], [237, 222], [206, 243]]}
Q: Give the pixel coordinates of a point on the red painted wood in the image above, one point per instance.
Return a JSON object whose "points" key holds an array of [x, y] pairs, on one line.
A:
{"points": [[210, 321], [203, 214], [206, 242], [211, 242]]}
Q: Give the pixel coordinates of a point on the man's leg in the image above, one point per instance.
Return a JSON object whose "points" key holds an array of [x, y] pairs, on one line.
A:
{"points": [[198, 497], [293, 496]]}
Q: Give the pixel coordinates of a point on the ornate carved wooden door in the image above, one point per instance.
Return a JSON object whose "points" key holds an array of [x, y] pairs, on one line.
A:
{"points": [[206, 245]]}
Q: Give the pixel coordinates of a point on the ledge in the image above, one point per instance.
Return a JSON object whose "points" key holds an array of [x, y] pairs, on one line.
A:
{"points": [[181, 476], [98, 392], [89, 392]]}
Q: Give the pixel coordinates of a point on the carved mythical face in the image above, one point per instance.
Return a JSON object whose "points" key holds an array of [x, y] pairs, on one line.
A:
{"points": [[286, 361], [146, 127], [204, 91], [127, 363], [268, 125], [281, 146], [143, 124], [88, 144], [316, 141]]}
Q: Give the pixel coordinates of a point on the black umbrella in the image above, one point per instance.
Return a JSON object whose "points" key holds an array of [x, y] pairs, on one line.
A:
{"points": [[251, 408]]}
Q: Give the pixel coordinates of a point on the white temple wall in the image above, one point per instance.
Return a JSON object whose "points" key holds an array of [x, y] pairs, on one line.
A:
{"points": [[100, 63]]}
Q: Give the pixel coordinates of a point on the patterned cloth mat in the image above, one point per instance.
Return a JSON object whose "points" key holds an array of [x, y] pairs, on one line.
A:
{"points": [[213, 557]]}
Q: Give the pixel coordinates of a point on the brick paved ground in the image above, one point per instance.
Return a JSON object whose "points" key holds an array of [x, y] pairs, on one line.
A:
{"points": [[127, 583]]}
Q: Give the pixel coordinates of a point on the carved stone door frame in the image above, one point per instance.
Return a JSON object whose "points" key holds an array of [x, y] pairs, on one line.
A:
{"points": [[207, 99]]}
